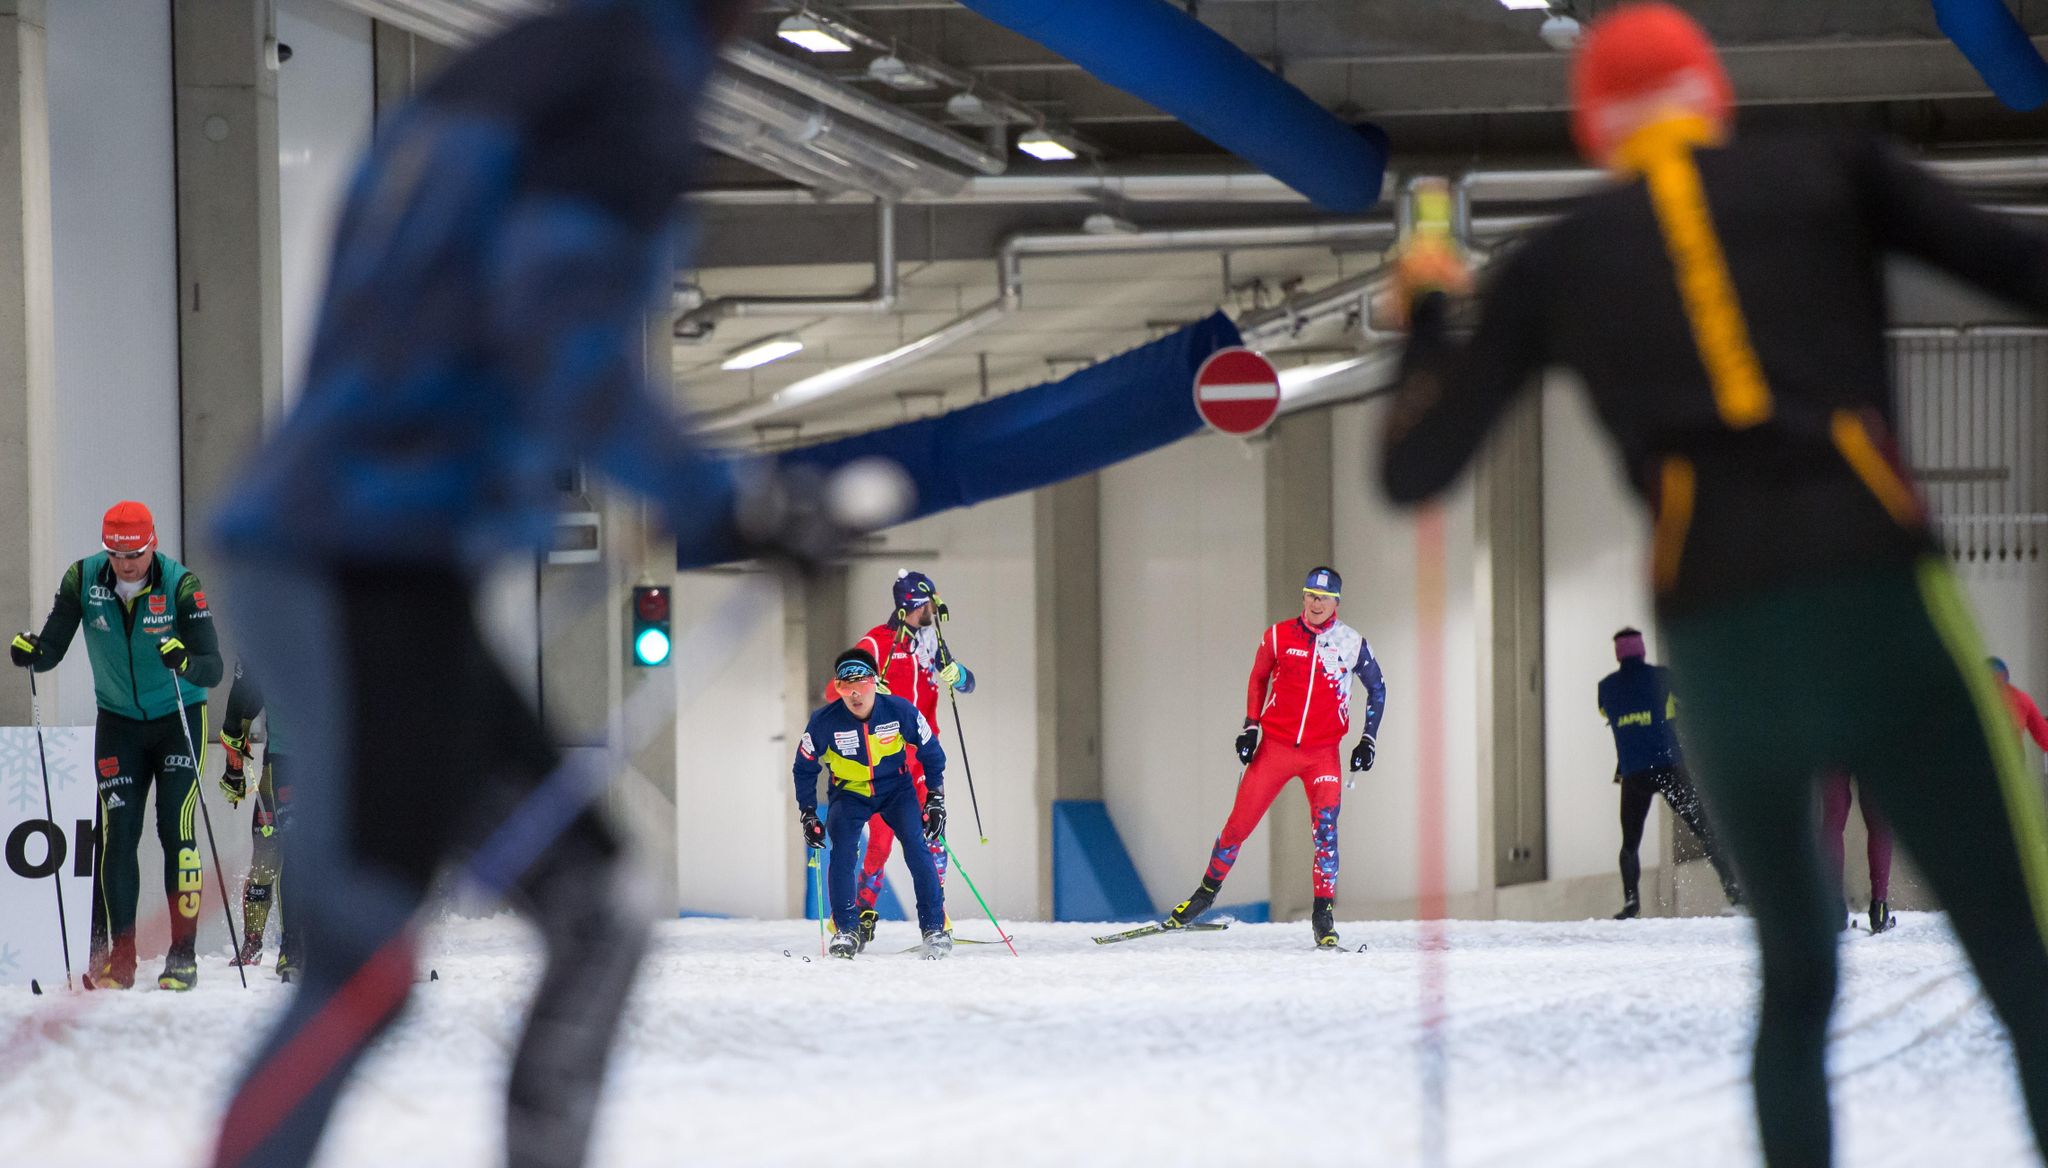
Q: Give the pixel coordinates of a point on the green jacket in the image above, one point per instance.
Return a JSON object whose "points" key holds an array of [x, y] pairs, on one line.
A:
{"points": [[128, 674]]}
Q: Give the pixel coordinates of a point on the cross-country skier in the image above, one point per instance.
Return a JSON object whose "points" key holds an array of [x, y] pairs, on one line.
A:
{"points": [[483, 330], [154, 654], [269, 828], [914, 665], [1724, 303], [1640, 708], [865, 743], [1877, 849], [1297, 712], [2025, 714]]}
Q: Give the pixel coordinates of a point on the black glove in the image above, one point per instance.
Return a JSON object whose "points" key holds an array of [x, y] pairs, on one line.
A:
{"points": [[934, 817], [1248, 742], [25, 648], [798, 516], [172, 650], [813, 827], [234, 782], [1364, 753]]}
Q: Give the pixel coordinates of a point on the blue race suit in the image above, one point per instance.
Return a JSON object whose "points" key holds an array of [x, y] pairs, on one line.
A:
{"points": [[868, 760]]}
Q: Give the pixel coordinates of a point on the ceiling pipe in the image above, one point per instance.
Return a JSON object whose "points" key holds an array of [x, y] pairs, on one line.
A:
{"points": [[801, 78], [887, 171], [840, 379], [879, 298]]}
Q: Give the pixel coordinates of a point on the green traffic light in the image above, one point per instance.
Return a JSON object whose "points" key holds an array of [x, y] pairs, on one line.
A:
{"points": [[651, 647]]}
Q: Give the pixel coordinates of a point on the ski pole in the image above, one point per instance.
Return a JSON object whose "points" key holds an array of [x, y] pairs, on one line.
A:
{"points": [[977, 896], [818, 893], [206, 817], [960, 736], [35, 707]]}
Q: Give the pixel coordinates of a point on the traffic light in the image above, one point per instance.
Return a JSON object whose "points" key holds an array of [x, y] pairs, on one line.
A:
{"points": [[650, 626]]}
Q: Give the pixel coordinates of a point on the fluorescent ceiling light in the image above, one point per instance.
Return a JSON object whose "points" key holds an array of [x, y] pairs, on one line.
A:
{"points": [[1525, 5], [761, 352], [1047, 146], [967, 107], [806, 33], [897, 73]]}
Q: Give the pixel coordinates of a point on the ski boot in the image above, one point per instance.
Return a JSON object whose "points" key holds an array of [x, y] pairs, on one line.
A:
{"points": [[252, 951], [864, 932], [287, 966], [1631, 908], [1187, 910], [114, 970], [181, 970], [1324, 921], [1881, 918], [843, 945], [937, 943]]}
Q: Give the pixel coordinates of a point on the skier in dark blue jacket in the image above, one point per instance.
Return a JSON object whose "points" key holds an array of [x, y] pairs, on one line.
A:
{"points": [[864, 741], [1639, 706]]}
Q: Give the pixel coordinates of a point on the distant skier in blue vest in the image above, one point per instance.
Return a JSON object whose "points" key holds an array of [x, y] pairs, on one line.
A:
{"points": [[1639, 706]]}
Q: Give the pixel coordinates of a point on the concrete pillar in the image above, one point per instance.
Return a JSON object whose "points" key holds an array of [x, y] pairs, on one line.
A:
{"points": [[1067, 562], [814, 618], [28, 432], [1300, 534], [1508, 609], [231, 374], [402, 62]]}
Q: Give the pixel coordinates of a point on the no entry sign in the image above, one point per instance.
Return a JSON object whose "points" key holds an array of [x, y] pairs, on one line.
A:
{"points": [[1237, 391]]}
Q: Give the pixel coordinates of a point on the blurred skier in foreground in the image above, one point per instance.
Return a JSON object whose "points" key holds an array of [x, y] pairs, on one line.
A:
{"points": [[1724, 303], [483, 331]]}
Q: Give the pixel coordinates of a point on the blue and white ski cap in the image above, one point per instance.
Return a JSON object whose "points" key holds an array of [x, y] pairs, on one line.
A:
{"points": [[1324, 582]]}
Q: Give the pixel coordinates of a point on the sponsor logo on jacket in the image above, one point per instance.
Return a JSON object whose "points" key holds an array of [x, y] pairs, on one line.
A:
{"points": [[888, 732], [157, 603], [846, 742]]}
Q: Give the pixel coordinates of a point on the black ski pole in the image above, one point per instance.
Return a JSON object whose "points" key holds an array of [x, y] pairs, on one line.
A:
{"points": [[960, 736], [35, 707], [206, 817]]}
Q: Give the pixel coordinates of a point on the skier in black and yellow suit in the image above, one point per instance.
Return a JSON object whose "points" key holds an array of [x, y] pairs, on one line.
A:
{"points": [[1724, 302], [269, 827], [154, 655]]}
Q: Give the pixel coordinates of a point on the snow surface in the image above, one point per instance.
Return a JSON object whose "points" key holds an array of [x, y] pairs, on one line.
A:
{"points": [[1594, 1043]]}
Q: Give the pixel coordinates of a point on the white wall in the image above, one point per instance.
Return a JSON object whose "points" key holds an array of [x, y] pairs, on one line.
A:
{"points": [[1375, 550], [1596, 540], [1183, 604], [325, 105], [735, 807], [984, 572], [113, 211]]}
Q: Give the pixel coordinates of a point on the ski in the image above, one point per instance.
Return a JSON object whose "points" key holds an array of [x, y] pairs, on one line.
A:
{"points": [[957, 941], [1156, 928]]}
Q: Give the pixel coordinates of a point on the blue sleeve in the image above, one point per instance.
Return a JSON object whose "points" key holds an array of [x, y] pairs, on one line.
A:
{"points": [[572, 283], [929, 753], [805, 769], [1368, 671]]}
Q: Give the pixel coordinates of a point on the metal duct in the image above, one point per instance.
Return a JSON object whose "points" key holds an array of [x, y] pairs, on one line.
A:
{"points": [[886, 171], [802, 142], [801, 78], [1998, 47], [1157, 52], [880, 298]]}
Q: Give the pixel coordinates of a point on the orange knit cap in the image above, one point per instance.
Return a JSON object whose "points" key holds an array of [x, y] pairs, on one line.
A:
{"points": [[1634, 60]]}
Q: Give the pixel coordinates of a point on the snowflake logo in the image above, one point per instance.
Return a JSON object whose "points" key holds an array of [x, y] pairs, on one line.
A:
{"points": [[21, 765], [10, 960]]}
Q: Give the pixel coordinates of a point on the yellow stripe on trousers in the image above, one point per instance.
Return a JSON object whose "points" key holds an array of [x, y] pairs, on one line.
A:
{"points": [[1662, 153], [2025, 811]]}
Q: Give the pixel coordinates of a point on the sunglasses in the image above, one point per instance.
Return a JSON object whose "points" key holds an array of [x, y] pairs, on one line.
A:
{"points": [[127, 555], [1312, 593]]}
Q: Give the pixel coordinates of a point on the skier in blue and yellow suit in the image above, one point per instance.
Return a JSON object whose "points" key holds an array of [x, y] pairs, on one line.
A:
{"points": [[865, 740]]}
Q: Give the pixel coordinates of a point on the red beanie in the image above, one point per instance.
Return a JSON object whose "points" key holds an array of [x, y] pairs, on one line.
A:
{"points": [[127, 527], [1639, 52]]}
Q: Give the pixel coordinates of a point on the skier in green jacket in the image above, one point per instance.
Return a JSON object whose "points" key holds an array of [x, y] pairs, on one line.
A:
{"points": [[154, 654]]}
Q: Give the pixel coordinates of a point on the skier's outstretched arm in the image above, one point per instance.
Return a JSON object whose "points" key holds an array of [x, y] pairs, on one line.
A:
{"points": [[1450, 394]]}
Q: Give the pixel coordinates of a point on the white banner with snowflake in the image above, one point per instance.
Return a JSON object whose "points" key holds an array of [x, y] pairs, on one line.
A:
{"points": [[38, 844]]}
